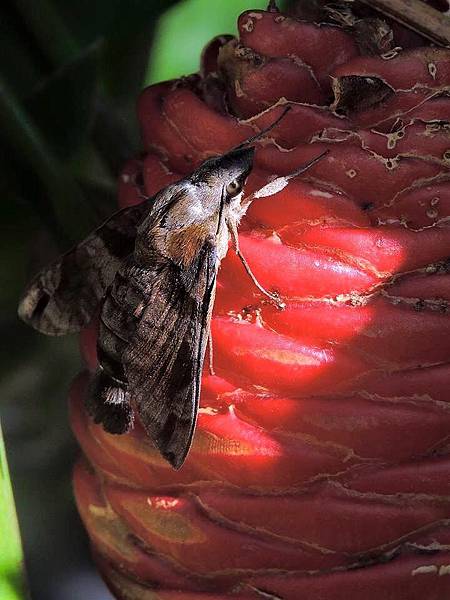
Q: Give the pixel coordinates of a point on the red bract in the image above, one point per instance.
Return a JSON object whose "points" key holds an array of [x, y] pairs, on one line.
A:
{"points": [[320, 466]]}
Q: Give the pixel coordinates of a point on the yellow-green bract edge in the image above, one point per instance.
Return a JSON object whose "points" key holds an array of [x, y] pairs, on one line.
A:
{"points": [[12, 578]]}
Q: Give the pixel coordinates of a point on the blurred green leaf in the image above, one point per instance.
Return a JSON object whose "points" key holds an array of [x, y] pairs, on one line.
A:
{"points": [[12, 579], [88, 21], [20, 62], [115, 133], [185, 29], [128, 43], [48, 29], [24, 140], [63, 105]]}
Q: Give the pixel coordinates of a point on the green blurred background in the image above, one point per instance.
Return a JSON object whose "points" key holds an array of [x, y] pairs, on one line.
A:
{"points": [[70, 73]]}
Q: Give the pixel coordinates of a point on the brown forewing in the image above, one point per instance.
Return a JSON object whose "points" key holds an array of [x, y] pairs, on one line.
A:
{"points": [[164, 359], [64, 297]]}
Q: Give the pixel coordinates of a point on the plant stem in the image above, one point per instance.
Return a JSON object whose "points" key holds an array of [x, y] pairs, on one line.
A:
{"points": [[418, 16]]}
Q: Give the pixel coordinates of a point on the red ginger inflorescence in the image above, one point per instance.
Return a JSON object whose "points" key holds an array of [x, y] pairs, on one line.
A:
{"points": [[320, 466]]}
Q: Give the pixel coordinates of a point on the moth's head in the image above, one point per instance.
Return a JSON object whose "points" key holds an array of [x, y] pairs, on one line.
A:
{"points": [[227, 173]]}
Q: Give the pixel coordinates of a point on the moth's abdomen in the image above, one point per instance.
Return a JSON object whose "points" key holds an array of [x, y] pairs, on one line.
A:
{"points": [[109, 401], [108, 404], [118, 318]]}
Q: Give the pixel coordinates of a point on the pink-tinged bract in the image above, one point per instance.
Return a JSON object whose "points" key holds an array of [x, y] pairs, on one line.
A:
{"points": [[320, 466]]}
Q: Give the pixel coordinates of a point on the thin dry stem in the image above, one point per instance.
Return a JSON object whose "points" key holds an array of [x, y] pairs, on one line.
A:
{"points": [[418, 16]]}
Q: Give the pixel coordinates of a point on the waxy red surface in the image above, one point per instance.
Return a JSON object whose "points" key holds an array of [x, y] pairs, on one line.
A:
{"points": [[320, 466]]}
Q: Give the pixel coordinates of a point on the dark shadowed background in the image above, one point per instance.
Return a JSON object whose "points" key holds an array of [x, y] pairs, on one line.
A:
{"points": [[70, 74]]}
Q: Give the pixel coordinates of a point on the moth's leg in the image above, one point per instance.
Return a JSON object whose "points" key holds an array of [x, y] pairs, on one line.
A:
{"points": [[210, 352], [234, 236]]}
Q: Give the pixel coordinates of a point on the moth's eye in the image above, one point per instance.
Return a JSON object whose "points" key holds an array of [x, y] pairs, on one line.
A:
{"points": [[234, 188]]}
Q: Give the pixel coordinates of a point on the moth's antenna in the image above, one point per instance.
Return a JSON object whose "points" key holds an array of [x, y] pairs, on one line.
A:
{"points": [[263, 131], [308, 165], [280, 183]]}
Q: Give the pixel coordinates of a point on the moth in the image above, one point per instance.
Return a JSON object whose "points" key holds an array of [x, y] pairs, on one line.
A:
{"points": [[150, 272]]}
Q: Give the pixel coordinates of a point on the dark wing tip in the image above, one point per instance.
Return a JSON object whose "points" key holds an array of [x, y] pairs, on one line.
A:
{"points": [[44, 306], [32, 305], [175, 438], [38, 309], [176, 459], [36, 306]]}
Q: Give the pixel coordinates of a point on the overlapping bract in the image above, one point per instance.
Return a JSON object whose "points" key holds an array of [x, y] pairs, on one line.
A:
{"points": [[320, 466]]}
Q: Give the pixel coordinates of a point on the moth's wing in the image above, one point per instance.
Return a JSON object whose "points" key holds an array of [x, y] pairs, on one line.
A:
{"points": [[64, 297], [164, 360]]}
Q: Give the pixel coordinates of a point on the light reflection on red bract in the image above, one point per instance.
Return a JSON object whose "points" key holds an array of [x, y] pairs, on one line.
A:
{"points": [[322, 443]]}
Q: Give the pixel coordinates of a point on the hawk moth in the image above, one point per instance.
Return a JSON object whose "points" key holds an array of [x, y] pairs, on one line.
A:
{"points": [[151, 269]]}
